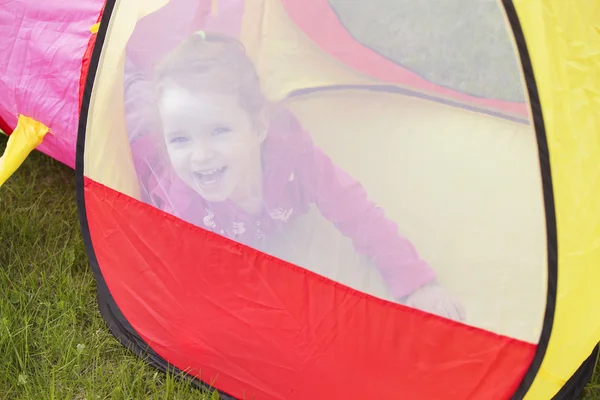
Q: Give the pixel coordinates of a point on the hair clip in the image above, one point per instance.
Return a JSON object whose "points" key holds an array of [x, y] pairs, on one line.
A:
{"points": [[202, 34]]}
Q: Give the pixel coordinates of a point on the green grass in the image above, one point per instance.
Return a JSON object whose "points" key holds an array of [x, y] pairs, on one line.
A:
{"points": [[53, 342], [592, 391]]}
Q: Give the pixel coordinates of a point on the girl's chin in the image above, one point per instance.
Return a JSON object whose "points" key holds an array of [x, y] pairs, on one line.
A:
{"points": [[214, 195], [211, 181]]}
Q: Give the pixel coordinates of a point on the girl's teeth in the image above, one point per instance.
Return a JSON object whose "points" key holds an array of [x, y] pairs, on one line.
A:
{"points": [[209, 178], [212, 171]]}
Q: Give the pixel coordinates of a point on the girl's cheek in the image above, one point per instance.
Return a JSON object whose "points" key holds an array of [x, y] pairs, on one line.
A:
{"points": [[178, 156], [225, 147], [235, 145]]}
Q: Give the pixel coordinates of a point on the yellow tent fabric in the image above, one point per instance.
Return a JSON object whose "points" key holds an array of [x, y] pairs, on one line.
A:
{"points": [[396, 144], [563, 39]]}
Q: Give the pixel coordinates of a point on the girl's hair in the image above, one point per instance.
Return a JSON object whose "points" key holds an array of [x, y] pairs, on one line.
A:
{"points": [[208, 62]]}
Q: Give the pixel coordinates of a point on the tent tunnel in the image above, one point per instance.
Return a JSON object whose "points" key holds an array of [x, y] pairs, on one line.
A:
{"points": [[280, 197]]}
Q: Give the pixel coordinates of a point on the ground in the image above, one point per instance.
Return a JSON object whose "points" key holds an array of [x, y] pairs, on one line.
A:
{"points": [[53, 342]]}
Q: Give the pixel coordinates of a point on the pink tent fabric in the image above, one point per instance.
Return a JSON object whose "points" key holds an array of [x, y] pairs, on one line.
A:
{"points": [[43, 45]]}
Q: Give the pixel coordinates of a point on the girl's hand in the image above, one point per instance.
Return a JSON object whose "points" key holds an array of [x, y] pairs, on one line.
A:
{"points": [[434, 299]]}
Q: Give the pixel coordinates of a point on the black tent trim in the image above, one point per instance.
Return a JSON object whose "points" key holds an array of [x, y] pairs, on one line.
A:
{"points": [[577, 383], [411, 93], [551, 231]]}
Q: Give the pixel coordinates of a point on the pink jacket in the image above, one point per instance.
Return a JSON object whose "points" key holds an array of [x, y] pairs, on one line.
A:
{"points": [[296, 174]]}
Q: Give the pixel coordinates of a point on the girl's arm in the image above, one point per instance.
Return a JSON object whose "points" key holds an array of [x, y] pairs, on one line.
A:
{"points": [[141, 112], [344, 202], [142, 122]]}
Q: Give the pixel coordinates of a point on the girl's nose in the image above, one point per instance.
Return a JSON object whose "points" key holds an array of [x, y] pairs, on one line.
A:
{"points": [[202, 154]]}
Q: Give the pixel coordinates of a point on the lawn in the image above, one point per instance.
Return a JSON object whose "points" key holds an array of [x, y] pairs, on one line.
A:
{"points": [[53, 342]]}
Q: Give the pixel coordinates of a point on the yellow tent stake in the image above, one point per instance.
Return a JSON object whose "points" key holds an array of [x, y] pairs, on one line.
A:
{"points": [[95, 27], [28, 134]]}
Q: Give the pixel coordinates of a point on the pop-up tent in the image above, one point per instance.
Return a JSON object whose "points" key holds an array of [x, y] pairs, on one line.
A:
{"points": [[365, 161]]}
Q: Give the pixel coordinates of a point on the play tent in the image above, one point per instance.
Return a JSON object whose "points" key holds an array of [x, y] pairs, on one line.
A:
{"points": [[496, 189]]}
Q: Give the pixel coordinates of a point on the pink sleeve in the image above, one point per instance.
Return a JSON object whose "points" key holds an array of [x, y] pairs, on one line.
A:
{"points": [[343, 201], [141, 111], [143, 129]]}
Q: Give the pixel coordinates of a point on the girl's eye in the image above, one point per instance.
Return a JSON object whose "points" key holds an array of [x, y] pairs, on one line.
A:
{"points": [[178, 139], [221, 130]]}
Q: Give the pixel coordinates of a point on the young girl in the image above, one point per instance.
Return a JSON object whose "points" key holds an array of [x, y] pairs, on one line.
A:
{"points": [[244, 168]]}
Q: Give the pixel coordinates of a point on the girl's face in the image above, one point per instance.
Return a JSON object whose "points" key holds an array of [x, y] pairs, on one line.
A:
{"points": [[213, 143]]}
